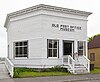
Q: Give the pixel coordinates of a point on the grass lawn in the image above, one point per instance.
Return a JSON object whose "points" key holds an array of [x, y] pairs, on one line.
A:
{"points": [[31, 72], [38, 74], [95, 71]]}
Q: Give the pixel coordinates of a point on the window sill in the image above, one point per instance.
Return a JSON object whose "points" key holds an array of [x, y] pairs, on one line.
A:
{"points": [[21, 58], [52, 57]]}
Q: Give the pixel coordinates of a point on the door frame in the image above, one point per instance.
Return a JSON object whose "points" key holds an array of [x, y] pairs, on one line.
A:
{"points": [[69, 41]]}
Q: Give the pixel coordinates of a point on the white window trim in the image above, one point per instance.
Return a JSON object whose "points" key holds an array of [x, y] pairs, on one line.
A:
{"points": [[20, 46], [53, 48], [84, 50], [21, 57]]}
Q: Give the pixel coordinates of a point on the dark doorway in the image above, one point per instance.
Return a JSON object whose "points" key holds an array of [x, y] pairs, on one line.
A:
{"points": [[67, 48]]}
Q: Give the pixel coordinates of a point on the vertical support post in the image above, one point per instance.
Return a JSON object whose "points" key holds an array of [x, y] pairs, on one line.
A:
{"points": [[60, 48], [75, 48], [73, 67], [68, 60], [86, 50]]}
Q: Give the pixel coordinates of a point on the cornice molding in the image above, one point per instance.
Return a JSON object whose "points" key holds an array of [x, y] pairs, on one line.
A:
{"points": [[46, 7]]}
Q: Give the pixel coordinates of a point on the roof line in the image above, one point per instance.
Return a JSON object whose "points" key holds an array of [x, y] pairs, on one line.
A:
{"points": [[46, 7]]}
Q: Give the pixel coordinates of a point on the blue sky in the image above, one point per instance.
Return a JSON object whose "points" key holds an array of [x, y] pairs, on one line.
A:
{"points": [[8, 6]]}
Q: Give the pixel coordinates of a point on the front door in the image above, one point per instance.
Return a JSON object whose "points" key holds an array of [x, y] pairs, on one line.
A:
{"points": [[68, 48]]}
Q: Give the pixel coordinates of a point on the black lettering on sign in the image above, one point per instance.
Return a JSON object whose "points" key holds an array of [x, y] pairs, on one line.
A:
{"points": [[55, 25], [70, 28]]}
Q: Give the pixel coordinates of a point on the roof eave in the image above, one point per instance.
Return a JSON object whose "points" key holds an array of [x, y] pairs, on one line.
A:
{"points": [[6, 22], [45, 7]]}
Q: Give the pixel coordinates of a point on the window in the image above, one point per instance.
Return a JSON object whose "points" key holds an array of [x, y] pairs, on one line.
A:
{"points": [[81, 47], [52, 48], [92, 56], [21, 49], [8, 51]]}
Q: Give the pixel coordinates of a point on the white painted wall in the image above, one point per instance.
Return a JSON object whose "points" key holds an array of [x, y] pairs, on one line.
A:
{"points": [[35, 48], [36, 27], [51, 32]]}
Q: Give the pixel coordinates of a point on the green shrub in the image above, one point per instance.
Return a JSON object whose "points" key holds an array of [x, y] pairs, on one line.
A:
{"points": [[58, 69], [19, 70], [55, 69]]}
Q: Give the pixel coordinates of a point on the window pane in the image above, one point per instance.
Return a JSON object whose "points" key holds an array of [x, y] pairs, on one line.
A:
{"points": [[20, 43], [16, 44], [84, 48], [20, 50], [25, 55], [55, 44], [25, 43], [50, 52], [16, 56], [80, 45], [25, 50], [54, 52], [50, 43], [92, 56], [19, 55], [16, 51], [52, 48], [80, 52], [80, 48], [8, 51]]}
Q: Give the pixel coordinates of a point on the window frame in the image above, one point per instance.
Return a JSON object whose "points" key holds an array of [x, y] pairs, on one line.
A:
{"points": [[83, 49], [48, 56], [14, 49], [8, 51]]}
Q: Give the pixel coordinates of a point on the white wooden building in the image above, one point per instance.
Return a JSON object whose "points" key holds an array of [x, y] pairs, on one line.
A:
{"points": [[44, 36]]}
